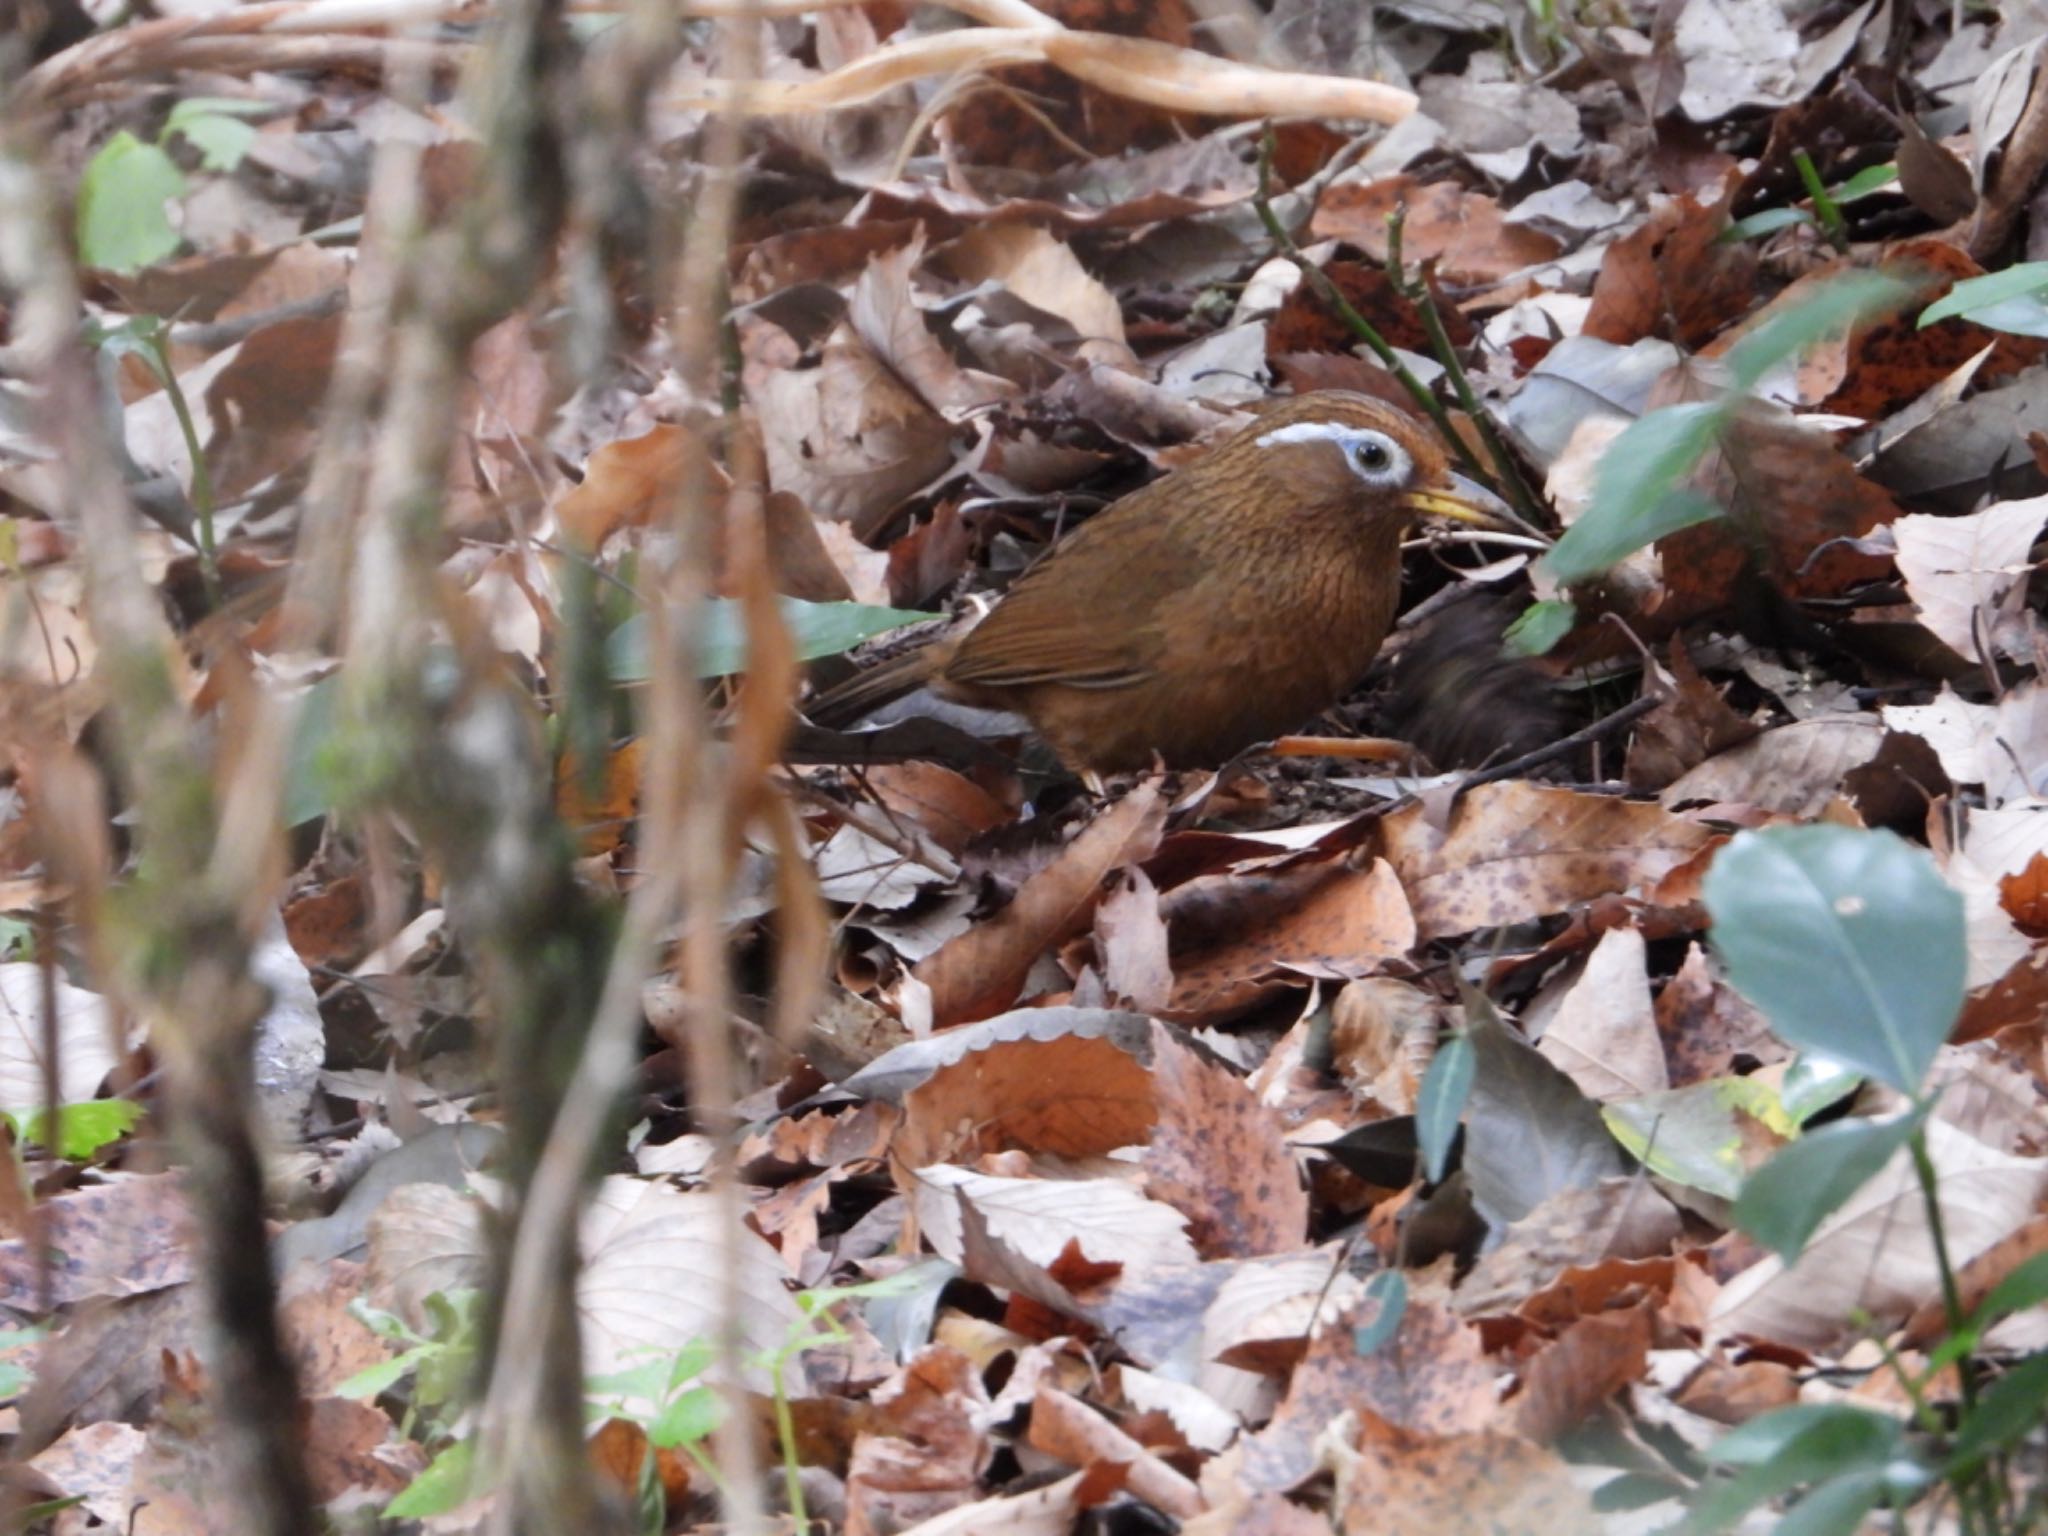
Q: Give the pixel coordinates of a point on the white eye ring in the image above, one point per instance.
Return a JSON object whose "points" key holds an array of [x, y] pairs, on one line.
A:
{"points": [[1372, 456], [1377, 459]]}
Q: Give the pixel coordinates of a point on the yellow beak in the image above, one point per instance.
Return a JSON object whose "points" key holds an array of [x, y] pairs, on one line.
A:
{"points": [[1465, 501]]}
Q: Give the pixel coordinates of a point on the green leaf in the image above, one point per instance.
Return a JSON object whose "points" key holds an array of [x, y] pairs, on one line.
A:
{"points": [[690, 1418], [308, 784], [2024, 316], [1868, 182], [442, 1487], [122, 225], [819, 629], [1805, 1443], [2025, 1287], [2023, 280], [1768, 222], [2006, 1412], [1388, 1293], [213, 125], [375, 1380], [1540, 627], [1832, 307], [1530, 1131], [1849, 941], [1636, 497], [17, 939], [1812, 1084], [1440, 1104], [1837, 1507], [84, 1128], [1694, 1135], [222, 142], [1802, 1185]]}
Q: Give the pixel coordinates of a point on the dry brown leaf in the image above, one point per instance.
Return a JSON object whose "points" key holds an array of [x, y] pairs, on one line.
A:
{"points": [[1039, 1220], [1875, 1255], [1074, 1434], [886, 314], [846, 438], [1794, 770], [1070, 1096], [982, 971], [1425, 1484], [1706, 1024], [629, 482], [1958, 570], [1236, 935], [1600, 1028], [1516, 850], [1462, 232], [1431, 1378], [1131, 944], [1567, 1380], [1616, 1219], [926, 1454], [1220, 1157]]}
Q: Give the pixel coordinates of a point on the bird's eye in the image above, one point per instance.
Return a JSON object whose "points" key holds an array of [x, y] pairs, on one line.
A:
{"points": [[1372, 455]]}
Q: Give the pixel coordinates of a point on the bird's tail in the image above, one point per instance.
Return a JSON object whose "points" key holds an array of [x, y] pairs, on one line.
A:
{"points": [[860, 695]]}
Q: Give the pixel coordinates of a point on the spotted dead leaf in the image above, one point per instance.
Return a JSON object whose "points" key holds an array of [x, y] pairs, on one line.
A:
{"points": [[111, 1240], [1887, 360], [1431, 1378], [1422, 1484], [983, 970], [1462, 232], [1795, 506], [1260, 1514], [353, 1448], [1219, 1155], [1516, 850], [1236, 935], [95, 1464], [1706, 1024]]}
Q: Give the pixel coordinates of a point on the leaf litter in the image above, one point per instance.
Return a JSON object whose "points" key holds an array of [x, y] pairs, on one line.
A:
{"points": [[1101, 1152]]}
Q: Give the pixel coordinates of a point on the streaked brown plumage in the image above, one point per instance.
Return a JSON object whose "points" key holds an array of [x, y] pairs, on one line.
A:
{"points": [[1213, 609]]}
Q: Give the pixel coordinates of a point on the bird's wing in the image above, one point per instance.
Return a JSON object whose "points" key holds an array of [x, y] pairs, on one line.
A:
{"points": [[1086, 616]]}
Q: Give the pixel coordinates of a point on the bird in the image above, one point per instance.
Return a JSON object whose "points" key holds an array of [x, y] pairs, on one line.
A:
{"points": [[1210, 610]]}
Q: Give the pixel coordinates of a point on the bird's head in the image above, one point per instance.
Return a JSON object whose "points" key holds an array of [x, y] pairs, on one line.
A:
{"points": [[1335, 448]]}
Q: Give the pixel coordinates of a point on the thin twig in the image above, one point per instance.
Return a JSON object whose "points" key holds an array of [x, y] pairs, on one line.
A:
{"points": [[1564, 746]]}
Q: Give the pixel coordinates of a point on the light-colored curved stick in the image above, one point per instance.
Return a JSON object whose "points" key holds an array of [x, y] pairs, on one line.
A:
{"points": [[1013, 32], [1158, 74]]}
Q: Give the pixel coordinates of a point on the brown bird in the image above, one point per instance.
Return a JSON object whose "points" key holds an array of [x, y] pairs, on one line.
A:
{"points": [[1213, 609]]}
